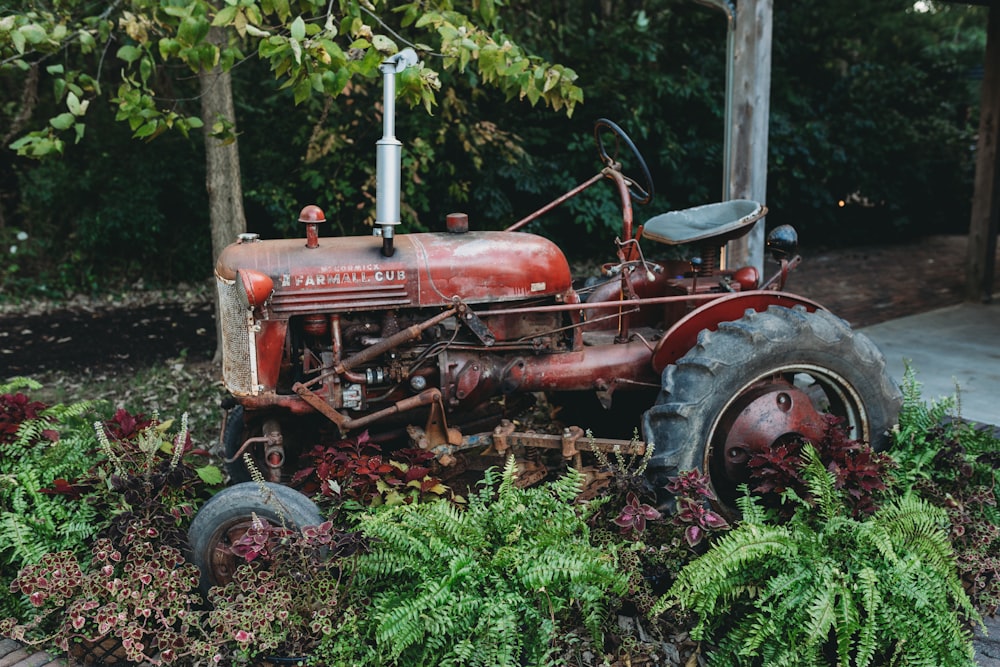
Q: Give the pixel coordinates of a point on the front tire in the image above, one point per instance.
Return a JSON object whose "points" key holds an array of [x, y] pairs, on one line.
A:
{"points": [[759, 380], [228, 515]]}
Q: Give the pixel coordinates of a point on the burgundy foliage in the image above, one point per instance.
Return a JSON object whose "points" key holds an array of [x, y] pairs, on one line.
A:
{"points": [[357, 469], [857, 470], [15, 409], [633, 517], [694, 493]]}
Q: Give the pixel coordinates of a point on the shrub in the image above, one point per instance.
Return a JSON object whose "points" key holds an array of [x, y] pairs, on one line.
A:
{"points": [[954, 465], [43, 451], [858, 471], [135, 588], [355, 472], [827, 587], [288, 593], [493, 584]]}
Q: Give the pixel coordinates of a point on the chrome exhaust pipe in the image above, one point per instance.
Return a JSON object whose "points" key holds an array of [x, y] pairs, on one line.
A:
{"points": [[389, 152]]}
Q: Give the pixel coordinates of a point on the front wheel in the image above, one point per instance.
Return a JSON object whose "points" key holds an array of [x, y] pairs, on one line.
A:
{"points": [[755, 382], [228, 515]]}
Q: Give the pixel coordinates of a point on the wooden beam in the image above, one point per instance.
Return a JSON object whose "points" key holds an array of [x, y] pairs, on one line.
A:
{"points": [[981, 253], [751, 110]]}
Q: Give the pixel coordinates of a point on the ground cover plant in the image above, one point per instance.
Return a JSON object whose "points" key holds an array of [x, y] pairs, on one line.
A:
{"points": [[491, 584], [827, 588], [560, 580], [41, 447], [955, 465], [135, 588]]}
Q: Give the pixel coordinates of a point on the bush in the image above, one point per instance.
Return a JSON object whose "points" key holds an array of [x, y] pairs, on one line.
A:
{"points": [[826, 587], [954, 466], [492, 584], [43, 451]]}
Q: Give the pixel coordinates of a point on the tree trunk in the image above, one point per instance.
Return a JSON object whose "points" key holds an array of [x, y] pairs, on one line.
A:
{"points": [[222, 171]]}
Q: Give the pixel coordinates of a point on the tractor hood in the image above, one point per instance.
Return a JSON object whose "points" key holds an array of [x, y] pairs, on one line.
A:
{"points": [[429, 269]]}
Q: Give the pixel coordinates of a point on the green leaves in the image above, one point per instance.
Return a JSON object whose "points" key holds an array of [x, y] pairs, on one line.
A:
{"points": [[488, 585], [312, 52], [785, 594], [129, 53]]}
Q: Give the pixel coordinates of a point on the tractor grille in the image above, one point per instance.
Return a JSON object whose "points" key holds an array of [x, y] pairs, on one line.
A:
{"points": [[238, 351], [285, 303]]}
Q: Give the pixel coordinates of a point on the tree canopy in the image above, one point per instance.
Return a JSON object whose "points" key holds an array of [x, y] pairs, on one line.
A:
{"points": [[874, 106], [311, 47]]}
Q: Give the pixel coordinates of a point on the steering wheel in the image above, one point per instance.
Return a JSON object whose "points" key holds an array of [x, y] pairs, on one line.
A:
{"points": [[641, 193]]}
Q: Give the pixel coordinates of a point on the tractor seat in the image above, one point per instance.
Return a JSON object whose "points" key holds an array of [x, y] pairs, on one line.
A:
{"points": [[724, 220]]}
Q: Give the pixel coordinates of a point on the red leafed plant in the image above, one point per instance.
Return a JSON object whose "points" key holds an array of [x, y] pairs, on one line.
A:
{"points": [[633, 517], [145, 597], [15, 409], [356, 469], [288, 592], [693, 493], [124, 425], [858, 471]]}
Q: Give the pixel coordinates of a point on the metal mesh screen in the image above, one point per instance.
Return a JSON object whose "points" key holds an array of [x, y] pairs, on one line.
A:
{"points": [[237, 370]]}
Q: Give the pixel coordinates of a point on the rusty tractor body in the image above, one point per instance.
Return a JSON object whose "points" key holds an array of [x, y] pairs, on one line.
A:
{"points": [[416, 337]]}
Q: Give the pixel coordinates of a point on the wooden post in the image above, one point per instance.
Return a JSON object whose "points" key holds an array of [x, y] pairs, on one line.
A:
{"points": [[751, 109], [981, 252]]}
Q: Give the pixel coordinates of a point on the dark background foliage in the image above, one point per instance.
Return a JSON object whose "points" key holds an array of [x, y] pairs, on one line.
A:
{"points": [[874, 107]]}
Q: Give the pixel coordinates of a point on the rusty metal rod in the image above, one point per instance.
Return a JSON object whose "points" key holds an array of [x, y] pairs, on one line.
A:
{"points": [[395, 340], [345, 423], [602, 305], [547, 441], [555, 202]]}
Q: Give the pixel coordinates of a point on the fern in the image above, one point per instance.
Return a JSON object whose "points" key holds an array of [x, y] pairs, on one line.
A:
{"points": [[953, 465], [491, 584], [827, 586], [53, 443]]}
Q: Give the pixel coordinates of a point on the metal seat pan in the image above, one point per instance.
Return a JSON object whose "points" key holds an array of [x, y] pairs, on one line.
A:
{"points": [[724, 219]]}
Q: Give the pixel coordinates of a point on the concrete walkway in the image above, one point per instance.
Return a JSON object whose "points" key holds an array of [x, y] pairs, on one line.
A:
{"points": [[957, 346]]}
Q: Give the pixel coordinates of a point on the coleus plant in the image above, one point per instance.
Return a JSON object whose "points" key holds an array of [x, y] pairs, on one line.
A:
{"points": [[356, 469], [633, 517], [287, 592], [693, 494], [858, 472]]}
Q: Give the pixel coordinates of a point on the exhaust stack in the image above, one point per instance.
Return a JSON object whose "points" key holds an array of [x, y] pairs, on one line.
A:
{"points": [[389, 151]]}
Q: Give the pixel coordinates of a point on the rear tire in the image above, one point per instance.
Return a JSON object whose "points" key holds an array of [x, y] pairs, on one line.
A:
{"points": [[757, 380]]}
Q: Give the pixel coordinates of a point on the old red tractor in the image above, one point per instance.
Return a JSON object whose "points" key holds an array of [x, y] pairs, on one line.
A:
{"points": [[415, 338]]}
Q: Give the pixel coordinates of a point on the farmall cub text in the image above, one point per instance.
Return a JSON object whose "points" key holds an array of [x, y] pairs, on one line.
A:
{"points": [[415, 337]]}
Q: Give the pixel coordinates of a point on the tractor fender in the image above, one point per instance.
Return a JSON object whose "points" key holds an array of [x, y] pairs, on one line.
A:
{"points": [[683, 335]]}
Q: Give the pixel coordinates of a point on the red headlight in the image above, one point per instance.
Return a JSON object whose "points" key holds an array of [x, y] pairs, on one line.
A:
{"points": [[255, 287]]}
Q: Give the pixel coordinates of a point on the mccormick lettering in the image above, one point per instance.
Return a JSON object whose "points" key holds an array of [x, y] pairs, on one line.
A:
{"points": [[369, 273]]}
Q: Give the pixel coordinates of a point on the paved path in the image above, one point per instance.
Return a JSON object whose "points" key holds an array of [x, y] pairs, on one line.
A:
{"points": [[957, 346], [988, 647], [13, 654]]}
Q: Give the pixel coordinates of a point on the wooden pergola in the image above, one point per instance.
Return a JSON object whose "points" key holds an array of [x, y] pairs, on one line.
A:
{"points": [[983, 225], [748, 110]]}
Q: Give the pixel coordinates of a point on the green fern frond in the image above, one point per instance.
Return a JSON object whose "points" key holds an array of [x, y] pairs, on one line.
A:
{"points": [[723, 573], [921, 528], [883, 588], [18, 383], [870, 600], [485, 585], [820, 483], [751, 511]]}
